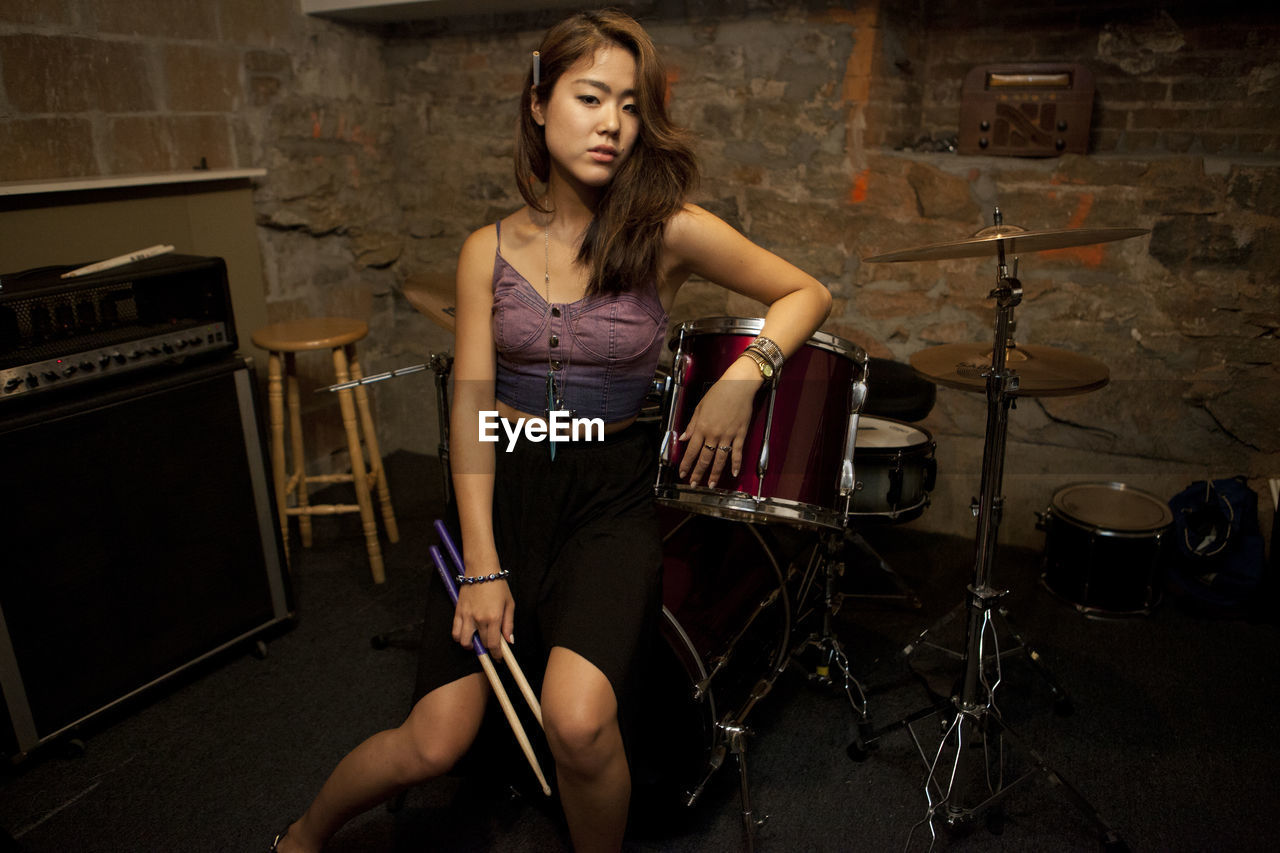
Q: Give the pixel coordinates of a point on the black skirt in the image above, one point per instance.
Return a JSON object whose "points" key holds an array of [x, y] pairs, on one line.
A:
{"points": [[581, 539]]}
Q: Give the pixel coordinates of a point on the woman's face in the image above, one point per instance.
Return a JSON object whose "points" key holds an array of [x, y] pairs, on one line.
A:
{"points": [[591, 119]]}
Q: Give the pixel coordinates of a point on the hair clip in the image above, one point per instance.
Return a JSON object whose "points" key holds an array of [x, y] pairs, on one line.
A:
{"points": [[537, 68]]}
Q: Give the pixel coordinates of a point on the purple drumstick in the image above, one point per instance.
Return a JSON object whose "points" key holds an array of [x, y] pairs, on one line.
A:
{"points": [[450, 585], [452, 550]]}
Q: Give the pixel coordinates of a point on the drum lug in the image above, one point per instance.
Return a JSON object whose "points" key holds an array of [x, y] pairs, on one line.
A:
{"points": [[857, 396]]}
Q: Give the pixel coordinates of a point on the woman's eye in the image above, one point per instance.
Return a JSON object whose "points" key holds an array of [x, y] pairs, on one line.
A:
{"points": [[633, 109], [589, 99]]}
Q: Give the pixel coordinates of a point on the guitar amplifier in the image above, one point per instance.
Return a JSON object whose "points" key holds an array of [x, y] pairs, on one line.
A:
{"points": [[91, 330], [1027, 110]]}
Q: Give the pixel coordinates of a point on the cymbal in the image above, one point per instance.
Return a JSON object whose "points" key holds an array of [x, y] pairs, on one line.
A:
{"points": [[1014, 239], [1042, 371], [433, 297]]}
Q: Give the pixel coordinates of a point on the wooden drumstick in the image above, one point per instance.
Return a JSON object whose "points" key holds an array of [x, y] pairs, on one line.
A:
{"points": [[510, 659], [492, 674]]}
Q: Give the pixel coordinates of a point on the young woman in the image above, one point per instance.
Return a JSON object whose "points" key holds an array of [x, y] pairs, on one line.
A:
{"points": [[563, 306]]}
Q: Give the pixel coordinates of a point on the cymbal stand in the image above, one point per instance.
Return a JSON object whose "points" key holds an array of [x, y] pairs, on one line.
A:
{"points": [[441, 365], [975, 718]]}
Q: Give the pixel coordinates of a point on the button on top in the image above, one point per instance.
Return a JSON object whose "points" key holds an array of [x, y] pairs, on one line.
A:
{"points": [[555, 311], [555, 340]]}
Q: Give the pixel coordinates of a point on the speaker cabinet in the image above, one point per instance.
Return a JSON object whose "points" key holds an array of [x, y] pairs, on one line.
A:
{"points": [[140, 541]]}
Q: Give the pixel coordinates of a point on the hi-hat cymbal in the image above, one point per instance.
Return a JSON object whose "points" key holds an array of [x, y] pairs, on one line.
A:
{"points": [[433, 297], [1014, 239], [1042, 371]]}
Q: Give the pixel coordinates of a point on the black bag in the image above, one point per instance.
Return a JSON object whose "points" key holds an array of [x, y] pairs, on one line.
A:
{"points": [[1218, 557]]}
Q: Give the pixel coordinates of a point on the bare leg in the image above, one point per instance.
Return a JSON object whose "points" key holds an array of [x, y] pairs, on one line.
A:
{"points": [[440, 728], [581, 716]]}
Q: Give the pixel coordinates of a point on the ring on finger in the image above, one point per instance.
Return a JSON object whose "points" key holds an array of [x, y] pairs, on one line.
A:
{"points": [[726, 447], [708, 447]]}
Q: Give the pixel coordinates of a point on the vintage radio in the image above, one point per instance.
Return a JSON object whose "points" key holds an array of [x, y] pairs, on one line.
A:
{"points": [[1027, 110]]}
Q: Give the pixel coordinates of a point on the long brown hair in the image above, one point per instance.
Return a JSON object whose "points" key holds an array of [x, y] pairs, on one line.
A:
{"points": [[623, 242]]}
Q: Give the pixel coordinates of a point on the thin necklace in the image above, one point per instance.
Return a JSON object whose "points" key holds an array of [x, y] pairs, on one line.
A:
{"points": [[555, 396]]}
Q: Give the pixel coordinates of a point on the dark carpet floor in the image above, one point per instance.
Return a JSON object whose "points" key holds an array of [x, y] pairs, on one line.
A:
{"points": [[1170, 739]]}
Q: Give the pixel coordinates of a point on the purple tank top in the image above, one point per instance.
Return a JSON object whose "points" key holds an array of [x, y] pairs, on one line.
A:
{"points": [[603, 349]]}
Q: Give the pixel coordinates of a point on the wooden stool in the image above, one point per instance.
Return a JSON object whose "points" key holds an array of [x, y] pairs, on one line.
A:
{"points": [[338, 334]]}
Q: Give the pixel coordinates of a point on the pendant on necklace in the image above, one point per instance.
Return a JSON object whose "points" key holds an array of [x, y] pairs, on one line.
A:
{"points": [[551, 407]]}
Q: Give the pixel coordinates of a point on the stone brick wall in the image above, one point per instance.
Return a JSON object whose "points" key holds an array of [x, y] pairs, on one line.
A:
{"points": [[386, 147]]}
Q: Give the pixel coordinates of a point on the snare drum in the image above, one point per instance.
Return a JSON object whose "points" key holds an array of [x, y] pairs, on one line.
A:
{"points": [[792, 453], [1103, 547], [896, 469]]}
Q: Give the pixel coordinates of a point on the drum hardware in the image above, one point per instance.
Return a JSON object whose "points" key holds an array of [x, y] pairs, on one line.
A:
{"points": [[974, 716], [729, 731], [436, 303], [857, 396], [830, 651], [440, 364]]}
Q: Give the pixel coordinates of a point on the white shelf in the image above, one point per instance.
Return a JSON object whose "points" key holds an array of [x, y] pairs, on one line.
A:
{"points": [[386, 11], [105, 182]]}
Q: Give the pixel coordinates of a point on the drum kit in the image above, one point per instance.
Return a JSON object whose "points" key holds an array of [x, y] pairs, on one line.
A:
{"points": [[815, 460]]}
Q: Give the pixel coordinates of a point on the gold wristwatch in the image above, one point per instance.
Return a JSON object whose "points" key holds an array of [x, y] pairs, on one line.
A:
{"points": [[765, 366]]}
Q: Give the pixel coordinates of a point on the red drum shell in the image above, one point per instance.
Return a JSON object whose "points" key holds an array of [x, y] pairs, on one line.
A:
{"points": [[810, 405]]}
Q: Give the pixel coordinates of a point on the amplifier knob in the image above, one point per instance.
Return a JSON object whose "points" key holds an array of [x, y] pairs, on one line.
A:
{"points": [[70, 370], [50, 375], [86, 365], [168, 348], [135, 354], [119, 357], [12, 383], [32, 380], [104, 360], [154, 350]]}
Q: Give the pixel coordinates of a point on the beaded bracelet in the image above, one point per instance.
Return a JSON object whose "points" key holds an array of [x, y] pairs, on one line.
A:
{"points": [[770, 350], [496, 576]]}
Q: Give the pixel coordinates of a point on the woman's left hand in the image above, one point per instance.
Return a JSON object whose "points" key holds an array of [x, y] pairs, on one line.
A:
{"points": [[718, 428]]}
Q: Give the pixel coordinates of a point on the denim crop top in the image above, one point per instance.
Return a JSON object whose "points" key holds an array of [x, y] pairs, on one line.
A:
{"points": [[604, 347]]}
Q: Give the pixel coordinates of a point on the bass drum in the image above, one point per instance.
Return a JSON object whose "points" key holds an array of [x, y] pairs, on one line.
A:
{"points": [[725, 625], [1103, 548]]}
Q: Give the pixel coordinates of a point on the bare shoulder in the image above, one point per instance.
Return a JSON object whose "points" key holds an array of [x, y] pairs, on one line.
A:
{"points": [[482, 241], [690, 224]]}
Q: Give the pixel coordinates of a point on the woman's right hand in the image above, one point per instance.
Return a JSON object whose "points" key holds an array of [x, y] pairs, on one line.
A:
{"points": [[488, 609]]}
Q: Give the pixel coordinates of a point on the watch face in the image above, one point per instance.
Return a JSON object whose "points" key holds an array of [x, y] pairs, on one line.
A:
{"points": [[766, 370]]}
